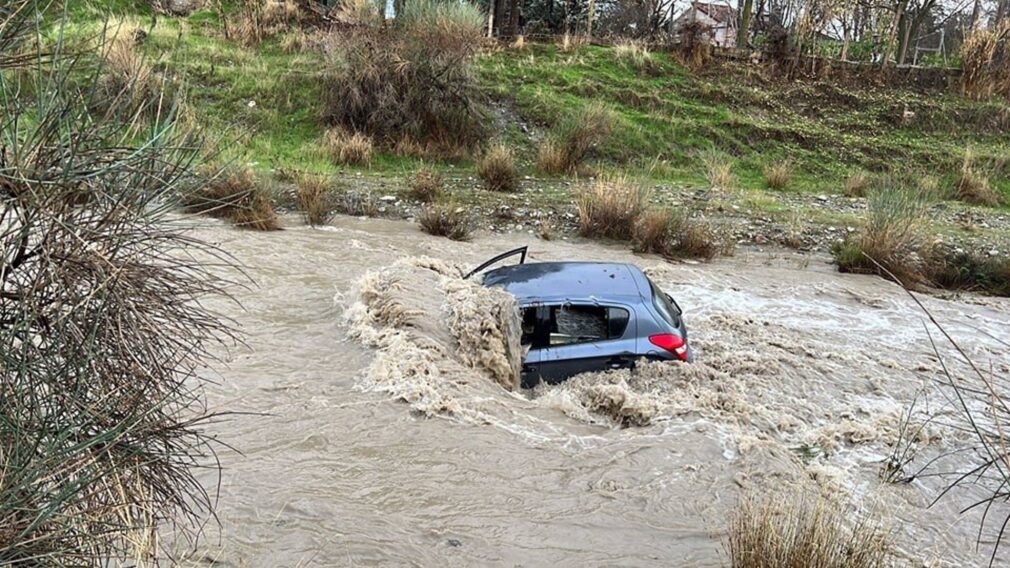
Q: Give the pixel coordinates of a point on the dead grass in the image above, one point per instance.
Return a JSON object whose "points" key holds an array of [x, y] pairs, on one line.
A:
{"points": [[610, 207], [127, 76], [357, 203], [634, 52], [315, 199], [856, 184], [778, 174], [569, 42], [573, 140], [985, 62], [790, 531], [678, 234], [446, 220], [497, 169], [348, 148], [426, 185], [718, 169], [234, 193], [972, 186]]}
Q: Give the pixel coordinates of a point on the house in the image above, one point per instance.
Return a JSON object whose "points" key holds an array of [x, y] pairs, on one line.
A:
{"points": [[718, 20]]}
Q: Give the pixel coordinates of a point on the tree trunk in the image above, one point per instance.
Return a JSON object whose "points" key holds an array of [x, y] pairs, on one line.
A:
{"points": [[743, 34], [514, 18], [589, 23]]}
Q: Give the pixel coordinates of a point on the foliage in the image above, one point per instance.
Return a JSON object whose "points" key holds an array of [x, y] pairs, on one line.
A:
{"points": [[315, 200], [985, 61], [610, 208], [575, 138], [497, 169], [426, 184], [446, 220]]}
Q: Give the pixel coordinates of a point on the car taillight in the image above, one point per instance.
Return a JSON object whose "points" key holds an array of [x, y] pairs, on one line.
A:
{"points": [[670, 342]]}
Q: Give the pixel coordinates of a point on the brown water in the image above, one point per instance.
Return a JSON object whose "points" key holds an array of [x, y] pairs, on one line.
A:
{"points": [[380, 435]]}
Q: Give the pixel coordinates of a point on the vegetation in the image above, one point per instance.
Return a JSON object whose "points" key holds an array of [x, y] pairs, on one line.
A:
{"points": [[678, 235], [314, 199], [575, 138], [972, 186], [789, 531], [236, 194], [102, 318], [778, 174], [610, 208], [985, 57], [497, 169], [446, 220], [347, 148], [426, 185], [892, 243]]}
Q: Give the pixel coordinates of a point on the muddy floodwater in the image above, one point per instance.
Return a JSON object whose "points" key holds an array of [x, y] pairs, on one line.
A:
{"points": [[374, 429]]}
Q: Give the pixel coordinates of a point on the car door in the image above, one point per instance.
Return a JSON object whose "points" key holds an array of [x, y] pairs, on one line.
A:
{"points": [[584, 337], [534, 339]]}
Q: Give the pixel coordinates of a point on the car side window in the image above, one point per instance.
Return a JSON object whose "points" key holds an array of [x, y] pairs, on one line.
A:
{"points": [[571, 324], [667, 309], [529, 326]]}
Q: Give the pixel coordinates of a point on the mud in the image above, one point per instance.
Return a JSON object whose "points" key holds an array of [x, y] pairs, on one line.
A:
{"points": [[390, 429]]}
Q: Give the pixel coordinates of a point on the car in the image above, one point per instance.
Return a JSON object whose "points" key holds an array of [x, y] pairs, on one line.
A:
{"points": [[588, 316]]}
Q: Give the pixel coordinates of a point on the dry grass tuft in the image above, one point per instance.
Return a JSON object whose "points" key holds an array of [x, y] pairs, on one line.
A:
{"points": [[718, 169], [678, 235], [315, 199], [788, 531], [259, 20], [235, 194], [446, 220], [610, 208], [778, 174], [569, 42], [893, 235], [357, 203], [347, 148], [574, 139], [692, 45], [497, 169], [426, 185], [985, 62], [972, 186], [856, 184], [128, 79], [635, 52]]}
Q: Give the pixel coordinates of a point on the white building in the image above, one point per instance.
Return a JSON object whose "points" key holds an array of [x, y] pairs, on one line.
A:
{"points": [[718, 21]]}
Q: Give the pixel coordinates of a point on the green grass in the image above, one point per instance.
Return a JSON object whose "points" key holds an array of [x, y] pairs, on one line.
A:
{"points": [[665, 115]]}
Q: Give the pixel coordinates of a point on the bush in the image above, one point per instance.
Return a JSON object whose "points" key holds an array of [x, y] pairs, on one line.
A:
{"points": [[610, 208], [718, 169], [104, 324], [412, 78], [445, 221], [972, 186], [985, 62], [778, 174], [497, 169], [315, 199], [678, 235], [966, 270], [347, 148], [426, 185], [692, 46], [259, 20], [235, 194], [128, 82], [574, 139], [892, 236], [857, 184], [789, 531]]}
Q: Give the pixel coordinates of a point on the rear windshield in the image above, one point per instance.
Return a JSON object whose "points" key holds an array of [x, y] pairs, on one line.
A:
{"points": [[667, 309]]}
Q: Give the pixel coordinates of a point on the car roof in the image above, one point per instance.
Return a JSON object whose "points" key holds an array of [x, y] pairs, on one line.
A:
{"points": [[551, 281]]}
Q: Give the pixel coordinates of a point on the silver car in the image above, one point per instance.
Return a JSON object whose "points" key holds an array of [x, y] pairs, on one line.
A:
{"points": [[588, 316]]}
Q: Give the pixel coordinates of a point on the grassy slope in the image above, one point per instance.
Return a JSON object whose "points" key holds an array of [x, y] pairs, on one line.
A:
{"points": [[665, 113]]}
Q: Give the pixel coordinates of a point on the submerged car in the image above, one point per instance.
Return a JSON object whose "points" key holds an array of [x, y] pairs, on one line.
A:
{"points": [[588, 316]]}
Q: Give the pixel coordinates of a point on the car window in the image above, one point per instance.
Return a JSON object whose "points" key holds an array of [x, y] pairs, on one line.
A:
{"points": [[529, 326], [667, 309], [570, 324]]}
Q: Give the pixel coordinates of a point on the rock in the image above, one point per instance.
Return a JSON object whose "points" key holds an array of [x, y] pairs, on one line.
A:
{"points": [[994, 252], [178, 7], [388, 198], [822, 198]]}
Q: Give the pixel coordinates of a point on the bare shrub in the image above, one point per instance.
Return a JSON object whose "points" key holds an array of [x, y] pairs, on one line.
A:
{"points": [[446, 220], [790, 531], [315, 199], [718, 169], [778, 174], [575, 138], [856, 184], [985, 62], [972, 186], [233, 193], [104, 329], [892, 237], [609, 208], [652, 231], [569, 42], [128, 82], [347, 148], [426, 184], [497, 169], [258, 20], [412, 78]]}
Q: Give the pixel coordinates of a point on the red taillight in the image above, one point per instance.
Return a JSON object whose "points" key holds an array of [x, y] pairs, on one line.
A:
{"points": [[672, 343]]}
